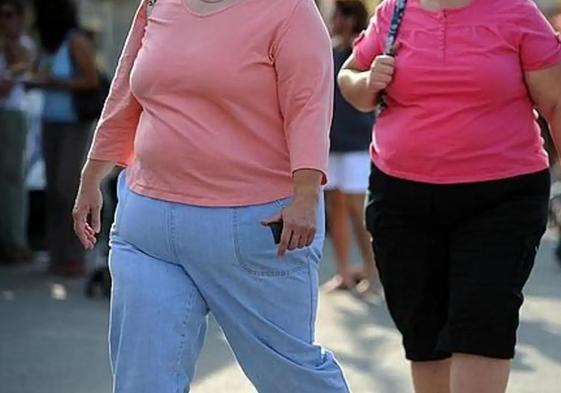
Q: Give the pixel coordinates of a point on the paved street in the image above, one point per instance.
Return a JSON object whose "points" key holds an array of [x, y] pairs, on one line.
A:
{"points": [[52, 339]]}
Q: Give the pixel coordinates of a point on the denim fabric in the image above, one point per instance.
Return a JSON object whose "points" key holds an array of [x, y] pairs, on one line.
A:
{"points": [[172, 264]]}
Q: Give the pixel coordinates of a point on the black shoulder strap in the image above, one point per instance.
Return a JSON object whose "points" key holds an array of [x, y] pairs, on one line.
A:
{"points": [[390, 48], [397, 17]]}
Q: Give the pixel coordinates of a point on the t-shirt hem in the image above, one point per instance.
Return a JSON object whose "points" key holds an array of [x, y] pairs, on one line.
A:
{"points": [[422, 178], [108, 158], [322, 170], [168, 196]]}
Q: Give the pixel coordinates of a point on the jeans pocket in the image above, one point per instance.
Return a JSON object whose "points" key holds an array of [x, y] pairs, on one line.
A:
{"points": [[256, 251]]}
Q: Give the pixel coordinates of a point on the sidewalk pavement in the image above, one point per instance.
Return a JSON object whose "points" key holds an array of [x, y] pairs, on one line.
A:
{"points": [[53, 340]]}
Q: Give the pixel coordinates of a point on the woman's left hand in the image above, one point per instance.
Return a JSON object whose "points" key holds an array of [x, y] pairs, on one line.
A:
{"points": [[299, 224]]}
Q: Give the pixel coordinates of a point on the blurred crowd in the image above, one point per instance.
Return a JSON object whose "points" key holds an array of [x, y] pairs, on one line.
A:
{"points": [[48, 86], [48, 74]]}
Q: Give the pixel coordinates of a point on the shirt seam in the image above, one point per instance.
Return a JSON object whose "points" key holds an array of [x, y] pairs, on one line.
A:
{"points": [[283, 29], [407, 175], [166, 194]]}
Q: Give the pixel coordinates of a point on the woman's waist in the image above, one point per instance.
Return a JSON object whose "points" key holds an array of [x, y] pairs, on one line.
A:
{"points": [[459, 135], [433, 168], [214, 185], [464, 151], [190, 141]]}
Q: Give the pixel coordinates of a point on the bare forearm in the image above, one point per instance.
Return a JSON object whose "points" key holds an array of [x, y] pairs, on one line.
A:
{"points": [[543, 86], [95, 171], [554, 119], [354, 87], [307, 184]]}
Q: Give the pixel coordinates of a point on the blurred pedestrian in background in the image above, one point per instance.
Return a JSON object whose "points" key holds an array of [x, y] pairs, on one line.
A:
{"points": [[226, 138], [349, 161], [16, 57], [460, 189], [67, 65]]}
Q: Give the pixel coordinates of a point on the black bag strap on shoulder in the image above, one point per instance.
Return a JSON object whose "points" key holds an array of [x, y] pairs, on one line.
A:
{"points": [[397, 17], [390, 47], [88, 104]]}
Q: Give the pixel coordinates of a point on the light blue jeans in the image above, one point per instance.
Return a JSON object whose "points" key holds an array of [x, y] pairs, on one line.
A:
{"points": [[172, 264]]}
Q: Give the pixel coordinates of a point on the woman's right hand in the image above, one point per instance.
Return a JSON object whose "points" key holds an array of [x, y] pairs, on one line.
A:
{"points": [[87, 208], [381, 73], [87, 212]]}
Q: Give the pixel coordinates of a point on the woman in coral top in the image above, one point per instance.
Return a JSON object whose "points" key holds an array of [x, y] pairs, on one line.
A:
{"points": [[224, 131], [459, 189]]}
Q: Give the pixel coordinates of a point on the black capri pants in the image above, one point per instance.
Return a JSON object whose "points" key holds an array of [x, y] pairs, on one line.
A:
{"points": [[453, 259]]}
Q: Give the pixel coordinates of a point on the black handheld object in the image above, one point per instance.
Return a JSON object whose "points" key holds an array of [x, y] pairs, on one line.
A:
{"points": [[276, 229]]}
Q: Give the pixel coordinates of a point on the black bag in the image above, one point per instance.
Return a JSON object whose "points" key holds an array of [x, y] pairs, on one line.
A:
{"points": [[390, 47], [88, 104]]}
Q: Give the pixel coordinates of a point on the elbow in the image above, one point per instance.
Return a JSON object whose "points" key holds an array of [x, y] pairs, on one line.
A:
{"points": [[344, 83], [364, 108], [345, 87], [354, 92], [341, 79], [360, 104]]}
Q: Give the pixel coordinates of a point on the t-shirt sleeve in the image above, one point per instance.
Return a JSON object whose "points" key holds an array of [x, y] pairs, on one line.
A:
{"points": [[539, 44], [303, 60], [116, 129], [370, 43]]}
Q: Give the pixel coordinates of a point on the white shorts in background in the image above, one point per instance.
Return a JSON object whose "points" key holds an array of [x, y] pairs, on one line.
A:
{"points": [[348, 172]]}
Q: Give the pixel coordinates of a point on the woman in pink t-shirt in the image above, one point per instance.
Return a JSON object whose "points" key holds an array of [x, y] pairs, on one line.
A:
{"points": [[459, 187], [220, 110]]}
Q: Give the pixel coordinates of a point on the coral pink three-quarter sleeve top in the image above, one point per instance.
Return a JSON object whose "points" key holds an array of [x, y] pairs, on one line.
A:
{"points": [[220, 109], [459, 110]]}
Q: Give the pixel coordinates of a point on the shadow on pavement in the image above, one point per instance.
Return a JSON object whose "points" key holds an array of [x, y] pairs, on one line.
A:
{"points": [[54, 339], [368, 348], [539, 329]]}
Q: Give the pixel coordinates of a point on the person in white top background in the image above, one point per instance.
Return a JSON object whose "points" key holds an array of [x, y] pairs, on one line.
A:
{"points": [[16, 57]]}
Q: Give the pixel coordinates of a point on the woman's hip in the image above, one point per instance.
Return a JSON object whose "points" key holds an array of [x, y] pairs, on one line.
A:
{"points": [[181, 233]]}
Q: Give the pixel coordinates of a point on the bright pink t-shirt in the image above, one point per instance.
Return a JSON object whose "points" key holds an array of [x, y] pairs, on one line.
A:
{"points": [[459, 110], [220, 109]]}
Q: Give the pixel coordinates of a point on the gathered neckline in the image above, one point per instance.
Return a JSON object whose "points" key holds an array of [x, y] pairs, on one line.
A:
{"points": [[213, 12], [453, 9]]}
